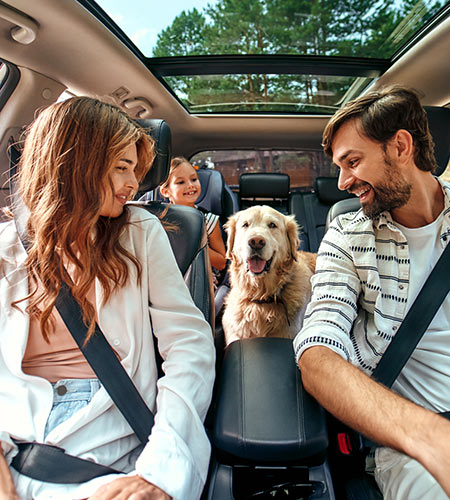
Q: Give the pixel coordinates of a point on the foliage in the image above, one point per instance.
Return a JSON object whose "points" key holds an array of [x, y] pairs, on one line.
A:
{"points": [[352, 28]]}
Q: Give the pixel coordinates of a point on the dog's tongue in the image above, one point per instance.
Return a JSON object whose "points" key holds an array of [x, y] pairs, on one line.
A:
{"points": [[256, 265]]}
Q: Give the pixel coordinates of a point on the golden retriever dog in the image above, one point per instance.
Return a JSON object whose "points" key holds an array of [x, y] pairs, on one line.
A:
{"points": [[269, 278]]}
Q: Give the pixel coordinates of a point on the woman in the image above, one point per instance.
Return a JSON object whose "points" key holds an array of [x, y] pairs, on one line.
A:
{"points": [[81, 162]]}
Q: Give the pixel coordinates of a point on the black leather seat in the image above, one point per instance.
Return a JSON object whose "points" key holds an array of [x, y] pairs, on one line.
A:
{"points": [[265, 188], [311, 209], [267, 429], [216, 196], [190, 252]]}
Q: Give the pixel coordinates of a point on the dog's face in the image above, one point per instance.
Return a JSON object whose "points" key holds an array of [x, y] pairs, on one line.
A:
{"points": [[261, 238]]}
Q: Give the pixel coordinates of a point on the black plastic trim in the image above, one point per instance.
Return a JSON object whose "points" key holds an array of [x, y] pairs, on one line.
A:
{"points": [[258, 63], [10, 82], [427, 28], [103, 17]]}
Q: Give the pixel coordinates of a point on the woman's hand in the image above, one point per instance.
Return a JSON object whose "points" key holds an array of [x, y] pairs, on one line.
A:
{"points": [[129, 488], [9, 496], [7, 489]]}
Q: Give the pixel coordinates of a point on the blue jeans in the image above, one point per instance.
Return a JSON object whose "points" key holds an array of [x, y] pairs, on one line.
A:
{"points": [[69, 396]]}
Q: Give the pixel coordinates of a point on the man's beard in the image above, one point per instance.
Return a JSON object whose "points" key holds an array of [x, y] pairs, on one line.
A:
{"points": [[393, 193]]}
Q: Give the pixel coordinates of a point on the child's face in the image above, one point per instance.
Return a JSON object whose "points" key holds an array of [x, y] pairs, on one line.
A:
{"points": [[184, 187]]}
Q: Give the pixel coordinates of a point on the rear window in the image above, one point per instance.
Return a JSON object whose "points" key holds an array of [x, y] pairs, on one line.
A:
{"points": [[301, 166]]}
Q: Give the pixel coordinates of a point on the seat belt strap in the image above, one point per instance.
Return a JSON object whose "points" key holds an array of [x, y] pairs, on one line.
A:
{"points": [[51, 464], [106, 366], [311, 221], [416, 322]]}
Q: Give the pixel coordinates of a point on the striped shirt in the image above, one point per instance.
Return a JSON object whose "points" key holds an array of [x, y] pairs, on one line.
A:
{"points": [[210, 221], [360, 288]]}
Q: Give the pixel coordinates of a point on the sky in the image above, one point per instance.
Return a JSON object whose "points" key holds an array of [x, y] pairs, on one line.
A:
{"points": [[143, 20]]}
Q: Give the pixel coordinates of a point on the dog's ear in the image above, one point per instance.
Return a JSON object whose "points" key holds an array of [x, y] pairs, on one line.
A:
{"points": [[230, 228], [292, 230]]}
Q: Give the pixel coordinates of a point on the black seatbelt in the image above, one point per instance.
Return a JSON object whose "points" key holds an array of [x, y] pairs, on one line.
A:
{"points": [[311, 221], [106, 366], [416, 322]]}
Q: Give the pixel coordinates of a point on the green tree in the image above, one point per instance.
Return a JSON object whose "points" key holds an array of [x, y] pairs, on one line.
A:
{"points": [[352, 28], [184, 37]]}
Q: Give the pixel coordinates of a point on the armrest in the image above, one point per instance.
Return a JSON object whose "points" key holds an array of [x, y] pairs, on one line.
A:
{"points": [[263, 413]]}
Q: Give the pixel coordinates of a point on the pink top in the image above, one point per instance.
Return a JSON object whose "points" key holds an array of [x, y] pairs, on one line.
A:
{"points": [[58, 360]]}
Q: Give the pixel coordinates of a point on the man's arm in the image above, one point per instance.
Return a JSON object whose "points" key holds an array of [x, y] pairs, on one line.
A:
{"points": [[377, 412]]}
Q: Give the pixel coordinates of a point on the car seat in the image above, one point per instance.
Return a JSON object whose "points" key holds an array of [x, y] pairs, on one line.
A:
{"points": [[311, 209], [264, 188], [190, 252], [216, 196]]}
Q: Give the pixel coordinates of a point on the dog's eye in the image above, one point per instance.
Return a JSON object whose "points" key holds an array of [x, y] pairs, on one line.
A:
{"points": [[245, 224], [272, 225]]}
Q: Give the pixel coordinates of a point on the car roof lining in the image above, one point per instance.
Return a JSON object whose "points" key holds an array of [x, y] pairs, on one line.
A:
{"points": [[113, 65]]}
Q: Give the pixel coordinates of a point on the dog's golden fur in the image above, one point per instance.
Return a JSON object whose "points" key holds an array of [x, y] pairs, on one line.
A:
{"points": [[269, 278]]}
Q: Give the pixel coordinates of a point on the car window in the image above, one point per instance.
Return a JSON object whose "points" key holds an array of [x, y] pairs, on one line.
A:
{"points": [[301, 166], [9, 76]]}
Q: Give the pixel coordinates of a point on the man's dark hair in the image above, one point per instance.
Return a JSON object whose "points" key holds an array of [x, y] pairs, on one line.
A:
{"points": [[382, 114]]}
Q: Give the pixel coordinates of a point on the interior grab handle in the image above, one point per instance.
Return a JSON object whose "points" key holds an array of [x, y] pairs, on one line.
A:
{"points": [[139, 102], [25, 29]]}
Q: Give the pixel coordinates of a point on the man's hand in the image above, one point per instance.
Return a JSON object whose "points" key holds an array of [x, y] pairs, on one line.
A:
{"points": [[129, 488]]}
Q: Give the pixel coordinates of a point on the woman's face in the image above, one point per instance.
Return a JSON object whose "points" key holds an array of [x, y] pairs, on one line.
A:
{"points": [[122, 177], [184, 186]]}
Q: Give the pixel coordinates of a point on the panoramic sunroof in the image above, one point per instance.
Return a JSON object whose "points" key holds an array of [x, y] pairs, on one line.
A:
{"points": [[260, 93], [230, 32]]}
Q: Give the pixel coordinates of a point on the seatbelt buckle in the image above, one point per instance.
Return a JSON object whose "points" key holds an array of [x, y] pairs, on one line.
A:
{"points": [[351, 443]]}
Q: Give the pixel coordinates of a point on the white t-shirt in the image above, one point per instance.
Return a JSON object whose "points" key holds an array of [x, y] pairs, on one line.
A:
{"points": [[427, 372]]}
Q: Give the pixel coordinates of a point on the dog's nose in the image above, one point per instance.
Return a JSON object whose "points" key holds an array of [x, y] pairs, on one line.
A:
{"points": [[256, 243]]}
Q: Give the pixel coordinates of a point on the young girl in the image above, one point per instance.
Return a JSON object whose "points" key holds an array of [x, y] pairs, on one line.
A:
{"points": [[82, 161], [182, 187]]}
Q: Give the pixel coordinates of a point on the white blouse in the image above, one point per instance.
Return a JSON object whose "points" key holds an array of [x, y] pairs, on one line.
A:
{"points": [[177, 454]]}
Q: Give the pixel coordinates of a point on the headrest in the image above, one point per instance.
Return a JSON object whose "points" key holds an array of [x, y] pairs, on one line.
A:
{"points": [[264, 185], [159, 130], [327, 190], [212, 183], [439, 123]]}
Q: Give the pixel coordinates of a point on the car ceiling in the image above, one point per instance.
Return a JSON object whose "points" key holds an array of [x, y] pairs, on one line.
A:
{"points": [[73, 49]]}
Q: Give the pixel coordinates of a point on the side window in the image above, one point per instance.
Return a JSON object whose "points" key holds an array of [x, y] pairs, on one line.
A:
{"points": [[302, 166], [9, 76]]}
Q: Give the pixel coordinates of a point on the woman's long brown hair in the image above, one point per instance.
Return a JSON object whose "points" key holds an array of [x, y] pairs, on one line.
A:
{"points": [[64, 176]]}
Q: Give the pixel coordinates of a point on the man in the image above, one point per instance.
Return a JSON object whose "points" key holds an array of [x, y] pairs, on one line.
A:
{"points": [[371, 266]]}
